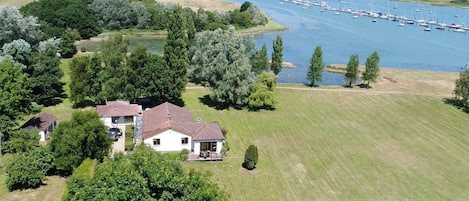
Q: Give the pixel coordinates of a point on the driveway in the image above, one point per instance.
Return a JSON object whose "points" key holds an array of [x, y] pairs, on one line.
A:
{"points": [[119, 145]]}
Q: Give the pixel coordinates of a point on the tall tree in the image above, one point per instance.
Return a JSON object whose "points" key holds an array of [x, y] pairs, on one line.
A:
{"points": [[21, 141], [82, 137], [14, 26], [259, 61], [191, 31], [45, 75], [250, 157], [221, 62], [277, 55], [79, 81], [176, 54], [152, 80], [351, 74], [371, 69], [262, 95], [461, 90], [67, 45], [15, 95], [316, 66], [113, 55]]}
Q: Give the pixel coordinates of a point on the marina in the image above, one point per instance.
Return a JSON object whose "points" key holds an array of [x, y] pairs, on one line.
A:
{"points": [[402, 42]]}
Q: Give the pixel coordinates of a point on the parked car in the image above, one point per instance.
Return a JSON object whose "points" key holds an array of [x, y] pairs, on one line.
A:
{"points": [[114, 133]]}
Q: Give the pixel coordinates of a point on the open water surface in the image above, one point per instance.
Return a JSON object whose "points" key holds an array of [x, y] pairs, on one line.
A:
{"points": [[341, 36]]}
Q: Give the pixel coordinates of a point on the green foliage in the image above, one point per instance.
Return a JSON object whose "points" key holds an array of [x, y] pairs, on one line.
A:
{"points": [[24, 172], [21, 141], [351, 74], [245, 6], [221, 62], [259, 60], [142, 175], [258, 17], [176, 55], [240, 19], [59, 16], [262, 95], [67, 46], [15, 95], [18, 50], [316, 66], [45, 75], [277, 55], [153, 81], [79, 85], [121, 14], [80, 178], [371, 69], [461, 90], [82, 137], [250, 157]]}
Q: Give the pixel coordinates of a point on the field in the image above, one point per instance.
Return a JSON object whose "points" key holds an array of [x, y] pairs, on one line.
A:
{"points": [[343, 145], [16, 3]]}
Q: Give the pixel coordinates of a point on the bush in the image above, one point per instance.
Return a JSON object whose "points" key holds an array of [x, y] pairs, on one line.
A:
{"points": [[250, 157], [129, 138], [81, 177], [24, 172]]}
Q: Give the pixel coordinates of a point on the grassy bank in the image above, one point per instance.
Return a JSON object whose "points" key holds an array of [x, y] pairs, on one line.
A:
{"points": [[336, 145]]}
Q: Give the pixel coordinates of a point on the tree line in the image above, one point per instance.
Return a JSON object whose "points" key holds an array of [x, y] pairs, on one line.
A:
{"points": [[351, 75]]}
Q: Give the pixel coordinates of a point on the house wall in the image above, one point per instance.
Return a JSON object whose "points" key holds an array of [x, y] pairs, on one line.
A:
{"points": [[107, 121], [42, 136], [196, 145], [170, 140]]}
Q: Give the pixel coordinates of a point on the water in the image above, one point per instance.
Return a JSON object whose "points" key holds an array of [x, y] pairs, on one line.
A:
{"points": [[340, 36]]}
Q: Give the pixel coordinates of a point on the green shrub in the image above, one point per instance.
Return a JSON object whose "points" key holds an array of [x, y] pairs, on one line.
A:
{"points": [[24, 172], [81, 177], [250, 157]]}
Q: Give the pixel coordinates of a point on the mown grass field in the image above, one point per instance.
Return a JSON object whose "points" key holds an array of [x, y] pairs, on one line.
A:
{"points": [[336, 145], [16, 3]]}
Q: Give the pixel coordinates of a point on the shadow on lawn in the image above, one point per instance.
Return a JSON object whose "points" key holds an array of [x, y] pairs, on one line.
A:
{"points": [[206, 100], [456, 103]]}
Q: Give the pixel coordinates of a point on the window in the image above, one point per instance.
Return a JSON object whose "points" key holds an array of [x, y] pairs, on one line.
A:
{"points": [[185, 140], [156, 141]]}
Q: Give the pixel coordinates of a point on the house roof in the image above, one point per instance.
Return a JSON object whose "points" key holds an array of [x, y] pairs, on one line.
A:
{"points": [[118, 108], [41, 121], [169, 116]]}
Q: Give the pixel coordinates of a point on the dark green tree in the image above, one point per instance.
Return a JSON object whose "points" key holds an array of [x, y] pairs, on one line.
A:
{"points": [[316, 66], [79, 85], [191, 31], [82, 137], [15, 95], [142, 175], [67, 45], [351, 74], [113, 55], [45, 75], [245, 6], [277, 55], [176, 54], [461, 90], [262, 95], [259, 61], [80, 178], [152, 80], [24, 172], [21, 141], [371, 69], [250, 157]]}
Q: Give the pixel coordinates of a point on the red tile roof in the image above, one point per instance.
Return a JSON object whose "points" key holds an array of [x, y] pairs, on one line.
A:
{"points": [[118, 109], [41, 121], [169, 116]]}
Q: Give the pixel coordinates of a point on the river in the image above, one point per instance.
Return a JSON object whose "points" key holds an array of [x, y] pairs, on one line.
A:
{"points": [[341, 36]]}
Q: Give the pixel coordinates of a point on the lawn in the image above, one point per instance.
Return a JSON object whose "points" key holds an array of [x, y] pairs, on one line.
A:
{"points": [[16, 3], [338, 145]]}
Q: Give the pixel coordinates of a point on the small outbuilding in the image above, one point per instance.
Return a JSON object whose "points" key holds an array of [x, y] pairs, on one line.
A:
{"points": [[46, 123]]}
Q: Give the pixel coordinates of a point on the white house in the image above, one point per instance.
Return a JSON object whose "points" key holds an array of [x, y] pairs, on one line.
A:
{"points": [[169, 128], [46, 124], [119, 113]]}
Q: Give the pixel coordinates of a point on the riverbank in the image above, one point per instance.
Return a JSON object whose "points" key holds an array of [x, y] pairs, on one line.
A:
{"points": [[449, 3], [409, 81]]}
